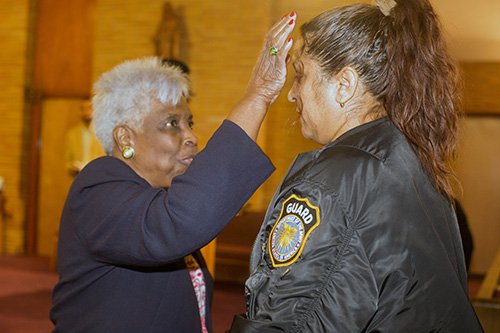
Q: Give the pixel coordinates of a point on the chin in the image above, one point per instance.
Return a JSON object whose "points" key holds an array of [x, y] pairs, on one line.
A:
{"points": [[305, 134], [170, 178]]}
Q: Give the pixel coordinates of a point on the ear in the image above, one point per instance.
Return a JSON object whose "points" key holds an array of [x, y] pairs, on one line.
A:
{"points": [[123, 136], [348, 79]]}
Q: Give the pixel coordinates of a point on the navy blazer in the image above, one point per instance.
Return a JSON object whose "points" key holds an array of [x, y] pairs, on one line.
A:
{"points": [[122, 242]]}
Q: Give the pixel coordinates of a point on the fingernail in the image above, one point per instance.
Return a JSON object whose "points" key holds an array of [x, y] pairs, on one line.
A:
{"points": [[289, 40], [291, 22], [284, 16], [292, 14]]}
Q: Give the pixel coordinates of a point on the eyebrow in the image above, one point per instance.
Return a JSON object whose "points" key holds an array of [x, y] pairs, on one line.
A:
{"points": [[176, 115]]}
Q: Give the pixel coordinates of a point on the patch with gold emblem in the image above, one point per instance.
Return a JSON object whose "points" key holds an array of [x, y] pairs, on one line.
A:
{"points": [[298, 218]]}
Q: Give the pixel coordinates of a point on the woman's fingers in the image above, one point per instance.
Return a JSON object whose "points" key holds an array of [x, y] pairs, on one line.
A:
{"points": [[278, 26], [277, 37], [269, 74], [286, 48], [267, 79]]}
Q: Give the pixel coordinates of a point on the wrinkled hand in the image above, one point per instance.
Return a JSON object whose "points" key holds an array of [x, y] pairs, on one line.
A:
{"points": [[269, 73]]}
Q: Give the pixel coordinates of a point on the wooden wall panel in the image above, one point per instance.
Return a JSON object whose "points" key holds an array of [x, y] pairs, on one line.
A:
{"points": [[63, 51], [482, 87], [63, 48], [57, 117]]}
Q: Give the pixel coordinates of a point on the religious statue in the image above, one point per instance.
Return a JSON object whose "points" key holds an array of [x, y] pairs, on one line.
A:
{"points": [[81, 144], [167, 37]]}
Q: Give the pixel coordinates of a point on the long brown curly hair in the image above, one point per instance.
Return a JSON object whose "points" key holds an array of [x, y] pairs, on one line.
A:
{"points": [[402, 60]]}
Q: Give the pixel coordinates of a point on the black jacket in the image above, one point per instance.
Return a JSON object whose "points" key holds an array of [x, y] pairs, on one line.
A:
{"points": [[357, 239]]}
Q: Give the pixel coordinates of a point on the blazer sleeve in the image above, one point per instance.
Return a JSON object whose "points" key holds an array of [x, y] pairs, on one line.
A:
{"points": [[121, 220]]}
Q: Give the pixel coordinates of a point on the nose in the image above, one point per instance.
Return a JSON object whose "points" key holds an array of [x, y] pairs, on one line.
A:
{"points": [[190, 139]]}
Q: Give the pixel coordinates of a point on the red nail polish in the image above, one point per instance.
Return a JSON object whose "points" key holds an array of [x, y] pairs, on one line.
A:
{"points": [[289, 39], [284, 16], [292, 14], [291, 22]]}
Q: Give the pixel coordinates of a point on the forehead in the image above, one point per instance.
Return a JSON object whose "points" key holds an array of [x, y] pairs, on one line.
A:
{"points": [[298, 50], [159, 110], [302, 62], [181, 106]]}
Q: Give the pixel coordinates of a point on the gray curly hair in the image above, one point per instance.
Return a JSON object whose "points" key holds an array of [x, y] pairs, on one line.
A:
{"points": [[123, 95]]}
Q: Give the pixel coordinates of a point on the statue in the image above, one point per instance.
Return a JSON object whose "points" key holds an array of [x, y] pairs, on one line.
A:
{"points": [[167, 37]]}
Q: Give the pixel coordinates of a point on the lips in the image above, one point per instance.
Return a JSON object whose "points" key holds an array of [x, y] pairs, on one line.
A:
{"points": [[187, 160]]}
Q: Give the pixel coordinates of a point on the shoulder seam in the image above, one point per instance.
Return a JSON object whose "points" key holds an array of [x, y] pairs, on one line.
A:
{"points": [[361, 150]]}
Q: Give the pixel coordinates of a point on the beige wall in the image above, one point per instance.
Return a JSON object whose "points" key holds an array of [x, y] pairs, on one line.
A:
{"points": [[474, 31], [473, 27], [478, 168]]}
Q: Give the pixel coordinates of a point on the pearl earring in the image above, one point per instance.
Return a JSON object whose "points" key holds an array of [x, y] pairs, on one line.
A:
{"points": [[128, 152]]}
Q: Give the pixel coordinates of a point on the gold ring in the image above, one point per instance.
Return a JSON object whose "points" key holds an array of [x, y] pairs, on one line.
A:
{"points": [[274, 51]]}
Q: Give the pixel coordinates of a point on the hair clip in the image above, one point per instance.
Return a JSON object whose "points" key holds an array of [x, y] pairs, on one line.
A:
{"points": [[385, 6]]}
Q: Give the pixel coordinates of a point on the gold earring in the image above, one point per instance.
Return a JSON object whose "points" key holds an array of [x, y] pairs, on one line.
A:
{"points": [[128, 152], [341, 104]]}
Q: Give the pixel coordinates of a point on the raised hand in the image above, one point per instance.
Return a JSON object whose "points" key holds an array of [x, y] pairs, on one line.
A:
{"points": [[268, 77], [269, 73]]}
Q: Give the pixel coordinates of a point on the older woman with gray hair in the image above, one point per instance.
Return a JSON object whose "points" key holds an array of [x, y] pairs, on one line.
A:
{"points": [[134, 221]]}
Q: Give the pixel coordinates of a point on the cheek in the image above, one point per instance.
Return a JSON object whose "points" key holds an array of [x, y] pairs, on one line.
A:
{"points": [[164, 153], [169, 144], [309, 107]]}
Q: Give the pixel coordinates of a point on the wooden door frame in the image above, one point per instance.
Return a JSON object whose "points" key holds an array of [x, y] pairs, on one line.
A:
{"points": [[61, 68], [33, 172]]}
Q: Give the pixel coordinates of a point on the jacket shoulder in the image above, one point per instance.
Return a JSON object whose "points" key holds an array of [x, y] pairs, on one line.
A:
{"points": [[366, 153]]}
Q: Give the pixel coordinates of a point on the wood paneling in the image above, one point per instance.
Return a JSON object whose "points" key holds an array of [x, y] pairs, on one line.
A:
{"points": [[482, 87], [62, 68], [64, 47], [58, 116]]}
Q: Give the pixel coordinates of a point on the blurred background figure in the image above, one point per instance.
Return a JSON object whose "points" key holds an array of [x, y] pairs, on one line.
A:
{"points": [[81, 144]]}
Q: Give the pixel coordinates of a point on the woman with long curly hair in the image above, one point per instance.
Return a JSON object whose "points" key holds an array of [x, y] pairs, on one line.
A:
{"points": [[361, 235]]}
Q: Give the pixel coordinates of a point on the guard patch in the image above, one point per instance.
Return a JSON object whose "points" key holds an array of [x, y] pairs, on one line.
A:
{"points": [[298, 218]]}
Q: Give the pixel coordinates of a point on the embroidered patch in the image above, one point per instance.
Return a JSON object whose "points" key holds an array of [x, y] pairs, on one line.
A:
{"points": [[298, 218]]}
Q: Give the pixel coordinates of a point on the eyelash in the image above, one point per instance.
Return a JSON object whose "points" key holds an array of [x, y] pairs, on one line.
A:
{"points": [[173, 123]]}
